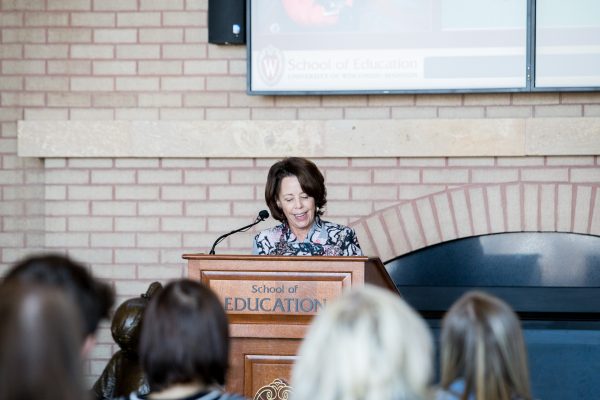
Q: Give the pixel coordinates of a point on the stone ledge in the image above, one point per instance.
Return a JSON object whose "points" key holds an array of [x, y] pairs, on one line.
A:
{"points": [[313, 139]]}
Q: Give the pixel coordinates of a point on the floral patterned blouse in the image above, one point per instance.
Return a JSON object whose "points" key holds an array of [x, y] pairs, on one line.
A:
{"points": [[323, 239]]}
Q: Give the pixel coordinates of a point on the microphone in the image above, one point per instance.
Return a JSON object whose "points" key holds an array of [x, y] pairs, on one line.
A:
{"points": [[262, 215]]}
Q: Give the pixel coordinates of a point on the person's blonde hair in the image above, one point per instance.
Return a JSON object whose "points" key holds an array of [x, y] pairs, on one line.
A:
{"points": [[368, 345], [482, 344]]}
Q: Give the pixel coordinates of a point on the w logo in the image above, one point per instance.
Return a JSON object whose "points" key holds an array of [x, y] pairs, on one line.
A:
{"points": [[270, 65]]}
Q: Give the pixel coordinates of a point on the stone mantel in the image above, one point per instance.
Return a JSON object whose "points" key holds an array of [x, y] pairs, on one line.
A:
{"points": [[314, 139]]}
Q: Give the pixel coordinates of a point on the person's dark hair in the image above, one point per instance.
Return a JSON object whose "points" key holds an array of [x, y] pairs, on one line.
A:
{"points": [[40, 343], [185, 337], [310, 178], [93, 297]]}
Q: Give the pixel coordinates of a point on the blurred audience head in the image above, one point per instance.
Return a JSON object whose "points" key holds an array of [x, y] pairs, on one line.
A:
{"points": [[93, 297], [482, 344], [40, 344], [185, 337], [367, 344]]}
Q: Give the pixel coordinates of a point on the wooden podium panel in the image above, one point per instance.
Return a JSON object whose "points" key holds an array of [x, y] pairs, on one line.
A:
{"points": [[271, 300]]}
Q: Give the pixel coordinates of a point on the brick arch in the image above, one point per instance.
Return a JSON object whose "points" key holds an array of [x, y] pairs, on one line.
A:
{"points": [[474, 210]]}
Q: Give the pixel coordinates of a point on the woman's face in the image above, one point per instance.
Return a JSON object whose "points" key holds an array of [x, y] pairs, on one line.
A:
{"points": [[297, 206]]}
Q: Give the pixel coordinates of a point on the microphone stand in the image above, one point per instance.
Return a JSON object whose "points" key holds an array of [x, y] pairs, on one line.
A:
{"points": [[242, 229]]}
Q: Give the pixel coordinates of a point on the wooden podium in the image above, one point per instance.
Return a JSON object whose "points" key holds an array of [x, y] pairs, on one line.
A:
{"points": [[270, 301]]}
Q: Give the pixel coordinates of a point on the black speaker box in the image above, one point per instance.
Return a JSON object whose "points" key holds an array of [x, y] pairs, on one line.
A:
{"points": [[227, 21]]}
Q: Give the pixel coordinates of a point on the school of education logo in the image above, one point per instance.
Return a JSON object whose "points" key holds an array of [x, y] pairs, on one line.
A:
{"points": [[270, 65]]}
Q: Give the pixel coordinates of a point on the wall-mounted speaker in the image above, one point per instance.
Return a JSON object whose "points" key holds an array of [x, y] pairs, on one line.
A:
{"points": [[227, 21]]}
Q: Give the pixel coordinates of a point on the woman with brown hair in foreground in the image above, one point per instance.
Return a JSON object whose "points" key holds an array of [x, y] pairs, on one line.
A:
{"points": [[184, 344], [40, 344], [483, 353]]}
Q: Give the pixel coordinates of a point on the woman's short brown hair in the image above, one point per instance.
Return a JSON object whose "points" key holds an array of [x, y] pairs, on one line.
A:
{"points": [[185, 337], [310, 178]]}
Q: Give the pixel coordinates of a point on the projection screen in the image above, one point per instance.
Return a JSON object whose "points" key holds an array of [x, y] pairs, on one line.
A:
{"points": [[386, 46], [567, 53]]}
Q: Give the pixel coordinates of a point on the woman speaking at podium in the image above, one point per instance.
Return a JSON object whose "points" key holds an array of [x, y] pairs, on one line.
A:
{"points": [[296, 195]]}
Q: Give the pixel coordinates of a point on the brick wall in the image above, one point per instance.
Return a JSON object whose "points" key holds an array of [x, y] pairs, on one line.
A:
{"points": [[131, 219]]}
